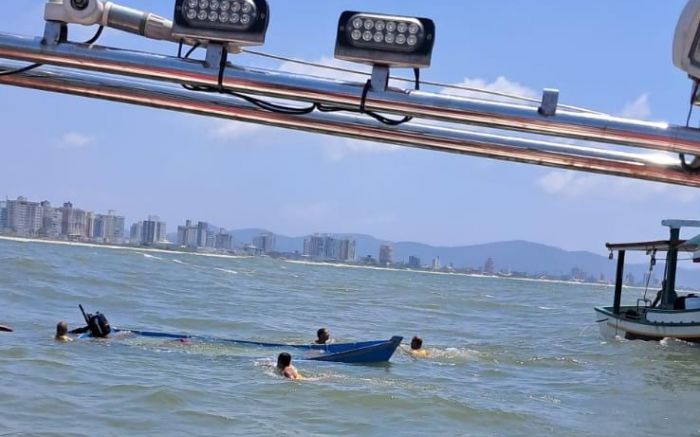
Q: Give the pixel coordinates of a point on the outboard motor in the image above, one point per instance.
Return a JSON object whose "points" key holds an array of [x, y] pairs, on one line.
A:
{"points": [[99, 325]]}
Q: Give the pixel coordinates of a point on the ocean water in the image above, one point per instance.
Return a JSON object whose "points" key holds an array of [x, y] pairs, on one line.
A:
{"points": [[508, 357]]}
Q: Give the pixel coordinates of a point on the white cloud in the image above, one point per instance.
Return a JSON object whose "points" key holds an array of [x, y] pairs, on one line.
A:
{"points": [[75, 140], [500, 85], [568, 183], [337, 149], [638, 108], [225, 130]]}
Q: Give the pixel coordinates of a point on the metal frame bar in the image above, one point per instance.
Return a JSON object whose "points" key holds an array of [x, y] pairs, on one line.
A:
{"points": [[172, 97], [593, 127]]}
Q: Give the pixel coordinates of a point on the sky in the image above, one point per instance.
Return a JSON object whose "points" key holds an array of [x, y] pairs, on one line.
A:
{"points": [[613, 57]]}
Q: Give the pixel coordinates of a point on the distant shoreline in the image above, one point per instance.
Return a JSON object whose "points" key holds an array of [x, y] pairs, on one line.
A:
{"points": [[470, 275], [299, 262], [119, 247]]}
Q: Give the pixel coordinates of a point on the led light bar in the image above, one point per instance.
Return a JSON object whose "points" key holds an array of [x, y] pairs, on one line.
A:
{"points": [[385, 39], [242, 22]]}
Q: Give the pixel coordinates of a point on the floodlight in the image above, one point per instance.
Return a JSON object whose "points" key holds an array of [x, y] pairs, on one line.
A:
{"points": [[686, 41], [388, 40], [243, 22]]}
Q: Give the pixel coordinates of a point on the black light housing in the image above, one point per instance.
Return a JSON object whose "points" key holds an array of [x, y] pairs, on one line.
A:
{"points": [[242, 22], [390, 40]]}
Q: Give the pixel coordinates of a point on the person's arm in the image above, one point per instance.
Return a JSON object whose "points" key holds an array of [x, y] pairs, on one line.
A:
{"points": [[82, 330]]}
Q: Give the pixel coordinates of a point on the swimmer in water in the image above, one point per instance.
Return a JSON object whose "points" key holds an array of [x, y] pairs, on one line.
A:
{"points": [[62, 332], [323, 336], [417, 350], [285, 368]]}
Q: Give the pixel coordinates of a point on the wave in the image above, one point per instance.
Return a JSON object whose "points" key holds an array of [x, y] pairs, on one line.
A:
{"points": [[233, 272]]}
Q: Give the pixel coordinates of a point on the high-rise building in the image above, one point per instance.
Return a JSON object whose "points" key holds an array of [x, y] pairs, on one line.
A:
{"points": [[265, 242], [187, 235], [51, 220], [3, 215], [136, 233], [153, 231], [117, 232], [414, 262], [108, 228], [326, 247], [436, 263], [24, 218], [90, 225], [489, 266], [385, 254], [202, 233], [73, 222], [315, 246], [223, 240], [346, 250]]}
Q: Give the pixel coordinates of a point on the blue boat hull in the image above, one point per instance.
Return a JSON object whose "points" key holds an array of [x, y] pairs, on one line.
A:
{"points": [[361, 353], [354, 353]]}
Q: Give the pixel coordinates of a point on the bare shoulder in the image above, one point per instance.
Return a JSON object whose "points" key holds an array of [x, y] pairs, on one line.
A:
{"points": [[291, 373]]}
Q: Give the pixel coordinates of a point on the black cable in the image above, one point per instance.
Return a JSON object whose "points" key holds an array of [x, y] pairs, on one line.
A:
{"points": [[268, 106], [181, 44], [20, 70], [361, 109], [95, 37], [37, 65], [684, 165], [262, 104], [191, 50]]}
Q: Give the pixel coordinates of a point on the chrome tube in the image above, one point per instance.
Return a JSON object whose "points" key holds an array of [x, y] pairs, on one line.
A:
{"points": [[593, 127], [164, 96]]}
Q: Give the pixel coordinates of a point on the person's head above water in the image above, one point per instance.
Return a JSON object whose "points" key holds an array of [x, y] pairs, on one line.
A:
{"points": [[284, 360], [416, 343], [322, 336], [61, 329]]}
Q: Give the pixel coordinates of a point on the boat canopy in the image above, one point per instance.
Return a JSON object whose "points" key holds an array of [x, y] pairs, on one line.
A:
{"points": [[691, 245]]}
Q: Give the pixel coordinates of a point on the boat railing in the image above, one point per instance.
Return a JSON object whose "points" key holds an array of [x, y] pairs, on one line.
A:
{"points": [[645, 301]]}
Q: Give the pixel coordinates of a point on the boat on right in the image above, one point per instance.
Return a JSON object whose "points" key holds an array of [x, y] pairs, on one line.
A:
{"points": [[669, 314]]}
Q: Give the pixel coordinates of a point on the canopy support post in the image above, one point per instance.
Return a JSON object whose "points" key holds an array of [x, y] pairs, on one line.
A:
{"points": [[619, 276], [669, 295]]}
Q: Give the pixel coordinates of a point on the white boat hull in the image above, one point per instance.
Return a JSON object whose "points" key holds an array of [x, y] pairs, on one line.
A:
{"points": [[652, 325]]}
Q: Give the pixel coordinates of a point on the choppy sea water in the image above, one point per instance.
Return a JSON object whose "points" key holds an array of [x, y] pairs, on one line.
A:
{"points": [[508, 357]]}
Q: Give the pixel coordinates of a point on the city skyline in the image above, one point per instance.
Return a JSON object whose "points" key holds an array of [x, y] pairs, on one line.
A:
{"points": [[38, 219], [140, 161]]}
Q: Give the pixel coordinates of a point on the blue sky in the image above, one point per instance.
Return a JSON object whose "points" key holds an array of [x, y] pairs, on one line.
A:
{"points": [[609, 56]]}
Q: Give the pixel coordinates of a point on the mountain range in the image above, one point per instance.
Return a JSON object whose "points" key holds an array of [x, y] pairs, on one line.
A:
{"points": [[515, 256]]}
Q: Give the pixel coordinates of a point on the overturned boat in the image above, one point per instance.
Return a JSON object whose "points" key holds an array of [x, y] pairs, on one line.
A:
{"points": [[364, 352], [670, 314]]}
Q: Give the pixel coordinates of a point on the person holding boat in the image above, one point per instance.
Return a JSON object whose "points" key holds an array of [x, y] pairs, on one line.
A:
{"points": [[285, 368], [62, 332], [659, 295], [417, 350], [323, 336], [97, 325]]}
